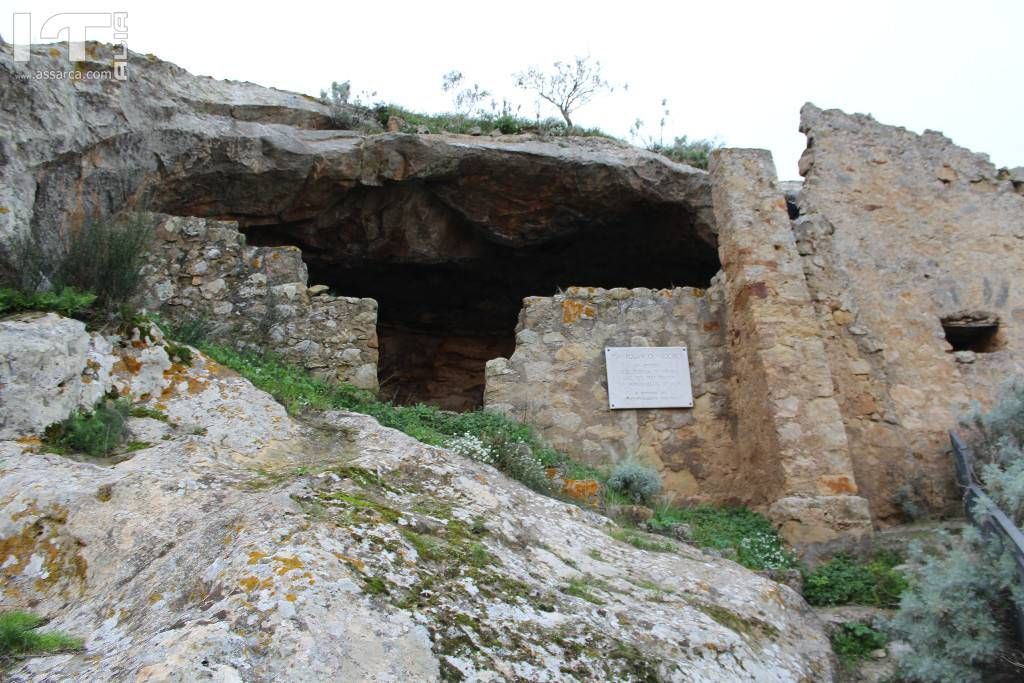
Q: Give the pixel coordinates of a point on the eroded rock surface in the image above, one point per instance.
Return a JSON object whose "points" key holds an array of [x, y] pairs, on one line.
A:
{"points": [[247, 545]]}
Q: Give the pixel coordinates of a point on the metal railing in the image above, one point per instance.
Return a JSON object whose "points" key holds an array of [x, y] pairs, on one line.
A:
{"points": [[984, 514]]}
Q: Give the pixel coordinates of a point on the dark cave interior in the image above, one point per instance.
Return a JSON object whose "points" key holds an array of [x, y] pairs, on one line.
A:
{"points": [[440, 321]]}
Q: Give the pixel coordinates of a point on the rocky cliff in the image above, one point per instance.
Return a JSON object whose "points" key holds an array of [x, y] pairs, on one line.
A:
{"points": [[244, 544]]}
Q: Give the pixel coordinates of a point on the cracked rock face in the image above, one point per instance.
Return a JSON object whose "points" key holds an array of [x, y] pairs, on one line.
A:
{"points": [[246, 545]]}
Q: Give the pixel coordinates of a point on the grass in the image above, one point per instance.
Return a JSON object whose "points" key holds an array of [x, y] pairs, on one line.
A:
{"points": [[68, 301], [854, 643], [756, 542], [20, 636], [507, 123], [297, 390], [642, 541], [696, 153], [844, 580], [580, 589]]}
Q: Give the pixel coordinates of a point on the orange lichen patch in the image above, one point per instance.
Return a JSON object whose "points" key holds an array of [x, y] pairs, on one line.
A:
{"points": [[196, 386], [551, 472], [139, 344], [267, 582], [581, 489], [249, 583], [255, 556], [291, 597], [712, 326], [30, 440], [155, 598], [287, 564], [58, 556], [129, 363], [573, 310], [837, 484], [353, 562], [255, 263], [698, 292], [4, 209], [54, 52]]}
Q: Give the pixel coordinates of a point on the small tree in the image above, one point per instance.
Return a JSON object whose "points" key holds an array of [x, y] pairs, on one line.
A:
{"points": [[568, 86], [467, 99]]}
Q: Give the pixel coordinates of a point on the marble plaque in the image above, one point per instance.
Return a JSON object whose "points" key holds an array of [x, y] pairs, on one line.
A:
{"points": [[648, 377]]}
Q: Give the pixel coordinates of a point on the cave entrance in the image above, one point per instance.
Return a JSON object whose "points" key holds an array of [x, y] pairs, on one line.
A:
{"points": [[449, 298]]}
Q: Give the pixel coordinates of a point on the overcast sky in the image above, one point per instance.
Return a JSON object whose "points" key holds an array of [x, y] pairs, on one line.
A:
{"points": [[736, 71]]}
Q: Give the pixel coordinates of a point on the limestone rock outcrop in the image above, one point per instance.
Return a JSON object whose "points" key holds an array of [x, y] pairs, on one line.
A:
{"points": [[247, 545], [169, 141], [49, 366]]}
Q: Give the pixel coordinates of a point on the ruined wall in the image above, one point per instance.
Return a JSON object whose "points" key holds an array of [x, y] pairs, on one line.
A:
{"points": [[556, 382], [790, 434], [898, 230], [256, 297]]}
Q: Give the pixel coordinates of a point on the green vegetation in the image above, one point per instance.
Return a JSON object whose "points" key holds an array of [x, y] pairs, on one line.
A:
{"points": [[507, 122], [68, 301], [696, 153], [955, 614], [96, 433], [517, 450], [580, 588], [843, 580], [637, 483], [853, 642], [103, 258], [143, 411], [642, 541], [752, 536], [19, 636]]}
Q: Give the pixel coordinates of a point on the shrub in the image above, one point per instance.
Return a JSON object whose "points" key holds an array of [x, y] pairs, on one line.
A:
{"points": [[950, 615], [101, 257], [95, 433], [853, 642], [844, 581], [756, 542], [193, 331], [696, 153], [68, 301], [637, 482], [19, 635]]}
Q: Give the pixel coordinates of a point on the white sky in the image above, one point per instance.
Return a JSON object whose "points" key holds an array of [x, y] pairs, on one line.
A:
{"points": [[738, 71]]}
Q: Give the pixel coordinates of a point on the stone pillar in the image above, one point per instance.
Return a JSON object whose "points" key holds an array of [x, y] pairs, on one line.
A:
{"points": [[791, 437]]}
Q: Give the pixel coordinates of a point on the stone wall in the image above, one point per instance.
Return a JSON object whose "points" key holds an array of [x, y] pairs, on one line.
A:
{"points": [[897, 231], [257, 298], [790, 438], [556, 382]]}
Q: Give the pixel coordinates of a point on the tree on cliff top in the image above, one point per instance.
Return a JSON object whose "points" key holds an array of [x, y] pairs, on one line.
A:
{"points": [[568, 86]]}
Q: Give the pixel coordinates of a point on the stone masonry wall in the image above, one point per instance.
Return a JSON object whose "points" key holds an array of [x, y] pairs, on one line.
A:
{"points": [[556, 382], [898, 230], [257, 298], [790, 434]]}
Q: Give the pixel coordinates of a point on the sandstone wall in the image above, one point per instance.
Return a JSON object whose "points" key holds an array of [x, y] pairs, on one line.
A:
{"points": [[790, 438], [556, 382], [256, 297], [898, 230]]}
